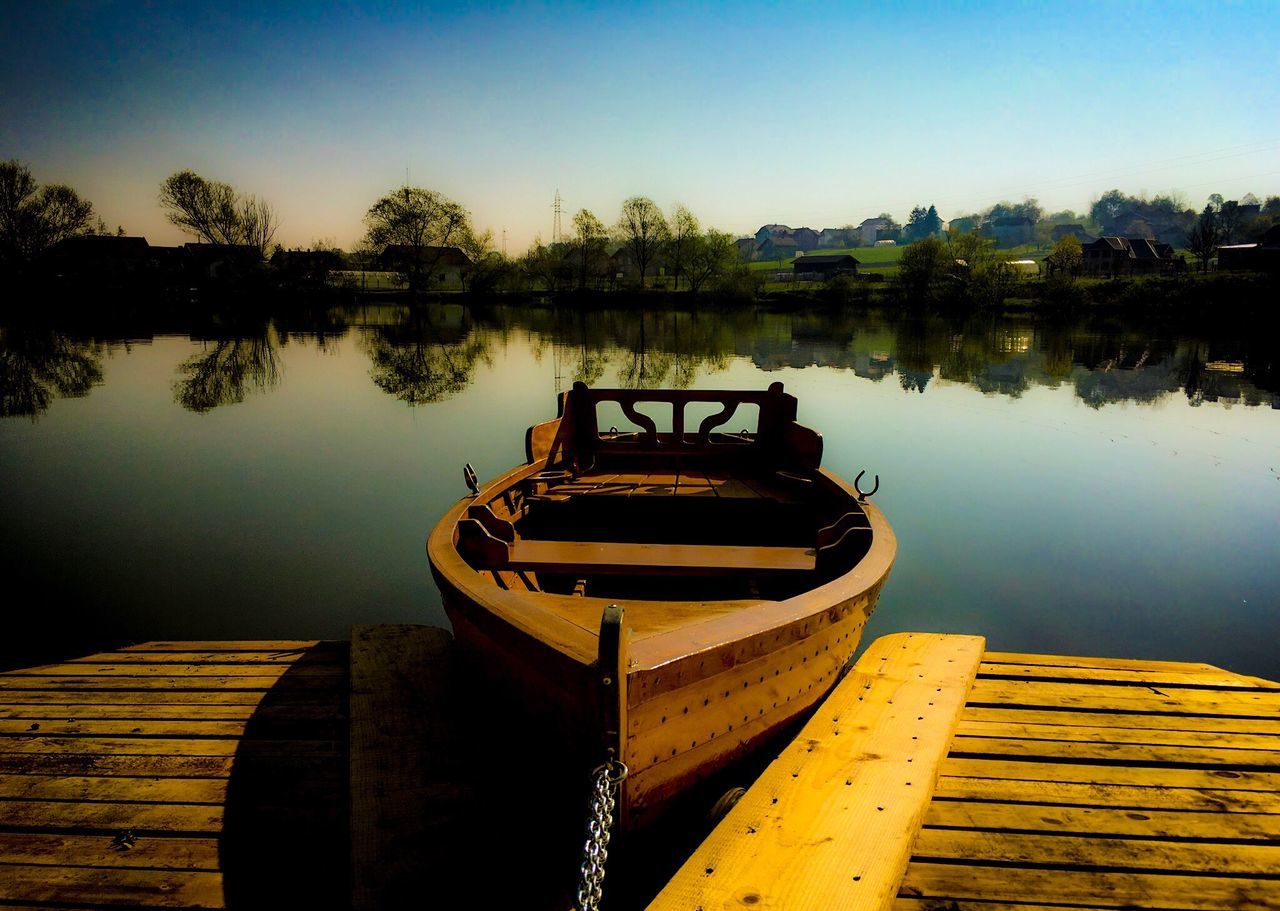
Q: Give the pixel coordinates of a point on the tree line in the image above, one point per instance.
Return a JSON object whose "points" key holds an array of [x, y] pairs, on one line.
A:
{"points": [[412, 231]]}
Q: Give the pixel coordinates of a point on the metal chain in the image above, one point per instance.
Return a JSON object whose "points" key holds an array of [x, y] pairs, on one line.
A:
{"points": [[604, 796]]}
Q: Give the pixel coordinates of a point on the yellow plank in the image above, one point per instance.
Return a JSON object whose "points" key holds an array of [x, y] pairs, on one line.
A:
{"points": [[278, 657], [46, 711], [141, 746], [155, 817], [137, 790], [1103, 821], [267, 671], [1106, 853], [931, 904], [1136, 664], [219, 645], [1094, 689], [1062, 750], [149, 697], [261, 683], [1146, 677], [1095, 794], [1080, 887], [1157, 777], [117, 728], [107, 764], [167, 853], [1109, 734], [99, 886], [1137, 720], [1123, 698], [831, 822]]}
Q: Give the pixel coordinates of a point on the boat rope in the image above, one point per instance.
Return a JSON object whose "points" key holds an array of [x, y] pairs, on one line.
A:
{"points": [[605, 781]]}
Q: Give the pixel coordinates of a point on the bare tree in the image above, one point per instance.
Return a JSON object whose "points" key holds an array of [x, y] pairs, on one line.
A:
{"points": [[421, 225], [589, 239], [1204, 237], [214, 213], [642, 230], [34, 218], [683, 233], [711, 255]]}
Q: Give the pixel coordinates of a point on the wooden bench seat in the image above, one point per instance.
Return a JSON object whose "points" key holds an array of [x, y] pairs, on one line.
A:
{"points": [[689, 559], [491, 552]]}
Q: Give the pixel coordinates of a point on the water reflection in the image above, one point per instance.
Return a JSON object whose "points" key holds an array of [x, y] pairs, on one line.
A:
{"points": [[424, 359], [227, 369], [39, 365], [427, 354]]}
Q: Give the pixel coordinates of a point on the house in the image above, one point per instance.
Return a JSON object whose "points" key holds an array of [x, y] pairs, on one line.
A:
{"points": [[835, 238], [966, 224], [622, 265], [1011, 231], [1076, 231], [1112, 255], [806, 238], [443, 267], [823, 266], [746, 247], [97, 255], [1263, 256], [220, 261], [870, 228], [767, 231], [777, 248]]}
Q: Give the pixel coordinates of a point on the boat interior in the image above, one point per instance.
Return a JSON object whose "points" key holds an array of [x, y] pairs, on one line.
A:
{"points": [[646, 495]]}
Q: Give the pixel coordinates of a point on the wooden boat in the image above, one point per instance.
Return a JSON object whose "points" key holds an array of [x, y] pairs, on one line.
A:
{"points": [[671, 597]]}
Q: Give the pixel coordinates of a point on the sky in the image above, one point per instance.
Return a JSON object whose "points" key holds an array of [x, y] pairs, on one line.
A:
{"points": [[747, 113]]}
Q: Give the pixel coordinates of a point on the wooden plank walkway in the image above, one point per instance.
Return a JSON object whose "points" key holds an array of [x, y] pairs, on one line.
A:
{"points": [[1061, 782], [177, 774], [409, 781]]}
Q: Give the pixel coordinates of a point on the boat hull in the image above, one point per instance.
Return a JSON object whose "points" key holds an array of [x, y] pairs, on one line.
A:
{"points": [[697, 698]]}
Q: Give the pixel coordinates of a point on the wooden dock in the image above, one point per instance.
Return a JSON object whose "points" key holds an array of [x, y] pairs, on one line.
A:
{"points": [[940, 776], [937, 775], [287, 774]]}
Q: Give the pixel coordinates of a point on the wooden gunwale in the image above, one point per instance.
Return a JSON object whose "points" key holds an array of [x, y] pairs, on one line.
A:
{"points": [[533, 613]]}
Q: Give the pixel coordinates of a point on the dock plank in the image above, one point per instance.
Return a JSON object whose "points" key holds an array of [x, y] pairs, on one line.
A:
{"points": [[1158, 777], [87, 787], [851, 788], [99, 886], [1150, 855], [1129, 753], [1204, 679], [171, 852], [406, 791], [1095, 794], [947, 882], [1124, 720], [1017, 817], [1110, 734]]}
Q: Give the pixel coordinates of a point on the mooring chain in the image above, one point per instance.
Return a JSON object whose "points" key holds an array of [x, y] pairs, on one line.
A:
{"points": [[605, 781]]}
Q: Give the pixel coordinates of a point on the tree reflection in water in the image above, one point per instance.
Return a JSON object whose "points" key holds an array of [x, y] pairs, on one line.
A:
{"points": [[418, 362], [227, 369], [38, 365]]}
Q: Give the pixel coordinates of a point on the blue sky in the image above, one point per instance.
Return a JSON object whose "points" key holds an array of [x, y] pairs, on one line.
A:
{"points": [[747, 113]]}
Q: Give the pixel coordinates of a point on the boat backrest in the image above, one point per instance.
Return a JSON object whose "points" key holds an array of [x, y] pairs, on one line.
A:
{"points": [[576, 439]]}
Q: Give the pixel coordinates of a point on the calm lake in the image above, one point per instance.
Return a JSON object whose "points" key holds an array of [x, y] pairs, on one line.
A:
{"points": [[1080, 488]]}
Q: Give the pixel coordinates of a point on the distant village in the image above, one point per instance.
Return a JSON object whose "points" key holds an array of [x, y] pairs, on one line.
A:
{"points": [[419, 240]]}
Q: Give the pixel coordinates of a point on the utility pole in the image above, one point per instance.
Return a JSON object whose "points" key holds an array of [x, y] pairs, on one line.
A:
{"points": [[555, 225], [504, 243]]}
